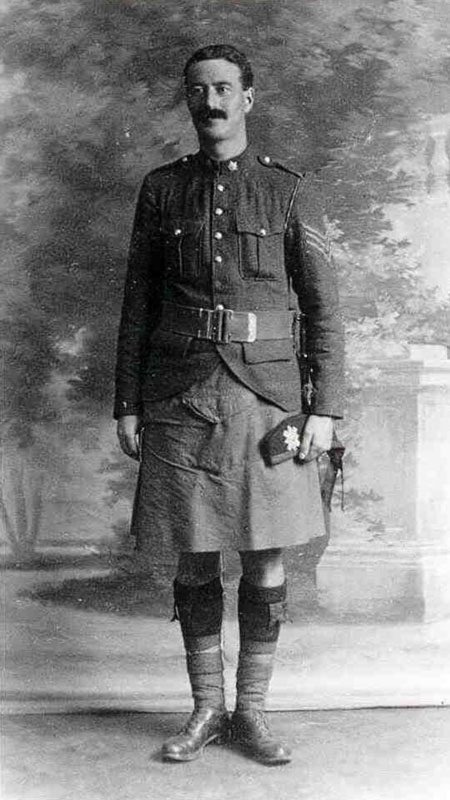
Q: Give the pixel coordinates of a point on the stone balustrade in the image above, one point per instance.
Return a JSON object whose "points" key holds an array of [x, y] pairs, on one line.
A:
{"points": [[400, 568]]}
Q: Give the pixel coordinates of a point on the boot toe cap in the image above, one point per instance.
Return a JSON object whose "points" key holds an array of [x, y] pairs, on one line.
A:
{"points": [[202, 728]]}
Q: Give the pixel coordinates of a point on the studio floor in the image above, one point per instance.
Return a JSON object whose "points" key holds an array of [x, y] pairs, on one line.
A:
{"points": [[365, 754], [92, 688]]}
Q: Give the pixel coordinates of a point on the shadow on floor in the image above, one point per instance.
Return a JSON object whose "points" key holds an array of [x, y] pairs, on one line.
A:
{"points": [[381, 754]]}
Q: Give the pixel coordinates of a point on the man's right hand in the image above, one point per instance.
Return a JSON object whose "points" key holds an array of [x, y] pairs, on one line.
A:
{"points": [[128, 428]]}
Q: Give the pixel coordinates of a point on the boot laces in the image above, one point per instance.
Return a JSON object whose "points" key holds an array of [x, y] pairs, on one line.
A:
{"points": [[261, 723]]}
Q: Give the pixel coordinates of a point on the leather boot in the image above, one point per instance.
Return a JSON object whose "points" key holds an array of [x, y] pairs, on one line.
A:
{"points": [[203, 726]]}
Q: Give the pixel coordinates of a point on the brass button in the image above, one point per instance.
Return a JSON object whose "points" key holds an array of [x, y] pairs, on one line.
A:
{"points": [[177, 231], [218, 235], [220, 187], [263, 231], [218, 259], [219, 212], [266, 159]]}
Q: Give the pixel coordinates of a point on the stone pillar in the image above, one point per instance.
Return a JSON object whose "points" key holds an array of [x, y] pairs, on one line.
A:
{"points": [[397, 567]]}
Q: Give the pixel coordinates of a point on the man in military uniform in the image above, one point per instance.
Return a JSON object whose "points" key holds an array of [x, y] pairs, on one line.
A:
{"points": [[221, 258]]}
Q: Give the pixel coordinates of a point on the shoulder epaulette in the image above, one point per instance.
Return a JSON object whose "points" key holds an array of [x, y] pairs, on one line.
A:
{"points": [[184, 161], [267, 161]]}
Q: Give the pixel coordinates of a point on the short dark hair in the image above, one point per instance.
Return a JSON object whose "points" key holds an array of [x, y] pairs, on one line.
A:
{"points": [[227, 52]]}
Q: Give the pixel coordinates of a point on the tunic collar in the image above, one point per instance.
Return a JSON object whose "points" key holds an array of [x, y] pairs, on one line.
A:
{"points": [[231, 165]]}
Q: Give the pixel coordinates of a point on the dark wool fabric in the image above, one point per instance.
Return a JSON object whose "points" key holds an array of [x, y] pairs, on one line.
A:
{"points": [[205, 672], [203, 484], [253, 677], [239, 234], [261, 611], [199, 609]]}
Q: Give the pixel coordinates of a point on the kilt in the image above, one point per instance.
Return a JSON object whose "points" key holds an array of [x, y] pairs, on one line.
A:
{"points": [[203, 485]]}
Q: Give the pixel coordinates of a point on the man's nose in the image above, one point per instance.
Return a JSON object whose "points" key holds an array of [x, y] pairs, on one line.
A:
{"points": [[211, 98]]}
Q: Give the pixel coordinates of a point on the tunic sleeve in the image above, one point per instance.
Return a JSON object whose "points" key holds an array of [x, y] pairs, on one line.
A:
{"points": [[141, 304], [313, 278]]}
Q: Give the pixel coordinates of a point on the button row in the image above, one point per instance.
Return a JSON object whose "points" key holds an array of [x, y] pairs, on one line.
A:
{"points": [[218, 234]]}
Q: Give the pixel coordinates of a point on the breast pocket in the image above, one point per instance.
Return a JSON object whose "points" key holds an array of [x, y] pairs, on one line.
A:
{"points": [[183, 244], [260, 247]]}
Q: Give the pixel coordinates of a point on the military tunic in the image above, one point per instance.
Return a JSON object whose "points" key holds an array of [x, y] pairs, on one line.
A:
{"points": [[233, 234]]}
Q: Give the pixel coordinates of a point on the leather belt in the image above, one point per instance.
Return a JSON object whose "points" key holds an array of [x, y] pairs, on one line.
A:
{"points": [[223, 325]]}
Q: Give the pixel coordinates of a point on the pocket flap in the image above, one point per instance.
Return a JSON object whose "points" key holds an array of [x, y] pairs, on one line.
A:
{"points": [[258, 224], [269, 350]]}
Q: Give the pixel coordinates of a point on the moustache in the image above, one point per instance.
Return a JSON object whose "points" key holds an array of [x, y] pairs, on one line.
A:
{"points": [[213, 113]]}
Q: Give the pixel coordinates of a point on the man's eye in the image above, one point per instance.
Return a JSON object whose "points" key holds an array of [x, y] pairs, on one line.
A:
{"points": [[223, 89], [195, 91]]}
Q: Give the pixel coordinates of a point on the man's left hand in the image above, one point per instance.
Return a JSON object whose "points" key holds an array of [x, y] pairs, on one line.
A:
{"points": [[316, 437]]}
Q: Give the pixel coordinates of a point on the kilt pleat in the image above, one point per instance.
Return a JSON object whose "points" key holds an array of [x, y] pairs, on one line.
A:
{"points": [[203, 485]]}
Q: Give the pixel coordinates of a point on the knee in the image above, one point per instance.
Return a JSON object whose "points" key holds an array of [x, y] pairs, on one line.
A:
{"points": [[263, 567], [199, 608]]}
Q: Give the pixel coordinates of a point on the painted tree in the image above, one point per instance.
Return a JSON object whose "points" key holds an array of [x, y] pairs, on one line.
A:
{"points": [[94, 100]]}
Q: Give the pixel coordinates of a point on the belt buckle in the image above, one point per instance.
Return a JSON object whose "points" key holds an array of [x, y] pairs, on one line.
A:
{"points": [[219, 328], [218, 325]]}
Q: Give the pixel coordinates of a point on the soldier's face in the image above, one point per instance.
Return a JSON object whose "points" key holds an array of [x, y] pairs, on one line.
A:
{"points": [[216, 100]]}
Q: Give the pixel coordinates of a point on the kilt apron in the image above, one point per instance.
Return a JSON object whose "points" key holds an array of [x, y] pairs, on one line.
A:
{"points": [[203, 485]]}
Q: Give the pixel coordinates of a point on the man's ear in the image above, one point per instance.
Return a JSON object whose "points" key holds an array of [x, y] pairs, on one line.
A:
{"points": [[249, 99]]}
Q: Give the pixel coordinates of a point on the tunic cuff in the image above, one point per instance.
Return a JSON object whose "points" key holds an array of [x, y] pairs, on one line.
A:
{"points": [[125, 408]]}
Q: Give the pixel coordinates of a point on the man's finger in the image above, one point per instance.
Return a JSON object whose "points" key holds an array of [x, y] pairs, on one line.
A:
{"points": [[129, 446], [305, 445], [128, 432]]}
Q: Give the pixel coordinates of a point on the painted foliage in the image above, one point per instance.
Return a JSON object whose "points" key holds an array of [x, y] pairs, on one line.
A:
{"points": [[92, 101]]}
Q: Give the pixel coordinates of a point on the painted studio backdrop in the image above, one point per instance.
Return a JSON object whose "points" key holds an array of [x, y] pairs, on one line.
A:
{"points": [[358, 92]]}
